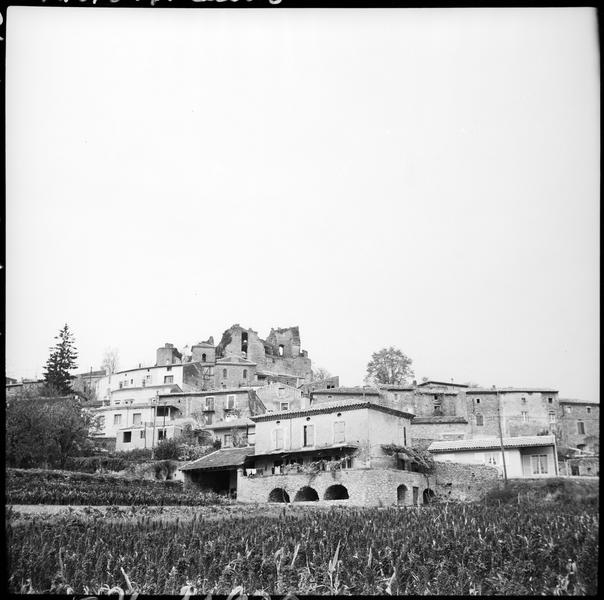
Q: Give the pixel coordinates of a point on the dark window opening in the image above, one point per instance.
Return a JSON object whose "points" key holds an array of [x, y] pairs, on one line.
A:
{"points": [[428, 496], [278, 495], [244, 341], [127, 437], [415, 495], [479, 420], [203, 357], [245, 373], [580, 427], [336, 492], [306, 494], [401, 494], [224, 373], [309, 435]]}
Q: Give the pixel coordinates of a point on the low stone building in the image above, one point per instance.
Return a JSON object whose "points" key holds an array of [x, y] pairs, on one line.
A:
{"points": [[335, 450], [525, 457], [579, 426]]}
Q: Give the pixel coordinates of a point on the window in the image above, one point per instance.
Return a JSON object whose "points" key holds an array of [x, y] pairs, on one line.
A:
{"points": [[552, 416], [524, 415], [580, 427], [404, 436], [477, 400], [142, 434], [168, 378], [588, 409], [491, 458], [228, 440], [117, 419], [278, 439], [568, 410], [224, 373], [281, 350], [137, 418], [523, 400], [245, 373], [161, 434], [550, 400], [210, 403], [539, 464], [231, 401], [395, 397], [479, 420], [203, 357], [127, 437], [309, 435], [209, 418], [284, 406], [168, 368], [131, 381], [338, 432], [580, 446]]}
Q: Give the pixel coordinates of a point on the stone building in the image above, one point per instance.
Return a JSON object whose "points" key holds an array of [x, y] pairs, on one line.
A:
{"points": [[525, 456], [449, 411], [579, 426], [280, 354], [280, 396], [335, 450]]}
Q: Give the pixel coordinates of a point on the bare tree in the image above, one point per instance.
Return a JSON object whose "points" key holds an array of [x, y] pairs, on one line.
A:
{"points": [[111, 360], [320, 373]]}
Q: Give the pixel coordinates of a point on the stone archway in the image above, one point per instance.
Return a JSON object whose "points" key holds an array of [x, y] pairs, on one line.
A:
{"points": [[278, 495], [429, 496], [336, 492], [401, 494], [306, 494]]}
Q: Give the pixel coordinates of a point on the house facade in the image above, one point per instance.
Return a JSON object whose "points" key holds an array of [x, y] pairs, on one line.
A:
{"points": [[579, 426], [524, 456]]}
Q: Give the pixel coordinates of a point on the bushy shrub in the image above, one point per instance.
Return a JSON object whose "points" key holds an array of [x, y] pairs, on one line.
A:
{"points": [[167, 449]]}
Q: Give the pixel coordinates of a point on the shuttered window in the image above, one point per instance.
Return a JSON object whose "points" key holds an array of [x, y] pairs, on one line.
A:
{"points": [[338, 432]]}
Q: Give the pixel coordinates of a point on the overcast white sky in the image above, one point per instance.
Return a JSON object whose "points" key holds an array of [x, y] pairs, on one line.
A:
{"points": [[427, 179]]}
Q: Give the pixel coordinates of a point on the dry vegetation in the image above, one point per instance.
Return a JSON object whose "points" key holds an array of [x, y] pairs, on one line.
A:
{"points": [[441, 549]]}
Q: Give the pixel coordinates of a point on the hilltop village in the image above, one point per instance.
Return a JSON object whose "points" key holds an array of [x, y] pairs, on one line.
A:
{"points": [[281, 435]]}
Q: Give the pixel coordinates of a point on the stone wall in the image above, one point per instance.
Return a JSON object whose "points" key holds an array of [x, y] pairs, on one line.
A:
{"points": [[585, 466], [571, 416], [365, 487], [456, 481]]}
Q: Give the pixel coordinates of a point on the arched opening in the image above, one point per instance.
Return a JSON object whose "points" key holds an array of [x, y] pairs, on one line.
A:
{"points": [[336, 492], [428, 496], [281, 349], [278, 495], [306, 494], [401, 494], [245, 373], [203, 358]]}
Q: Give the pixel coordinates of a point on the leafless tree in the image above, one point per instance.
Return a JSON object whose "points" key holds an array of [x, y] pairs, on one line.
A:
{"points": [[320, 373], [111, 360]]}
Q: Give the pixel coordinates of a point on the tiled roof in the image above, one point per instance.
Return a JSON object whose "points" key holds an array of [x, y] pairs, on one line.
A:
{"points": [[578, 401], [434, 420], [486, 443], [326, 407], [348, 391], [307, 450], [213, 392], [235, 360], [402, 388], [509, 390], [229, 423], [221, 459], [432, 382]]}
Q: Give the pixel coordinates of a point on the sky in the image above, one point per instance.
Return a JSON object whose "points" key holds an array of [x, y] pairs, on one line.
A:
{"points": [[426, 179]]}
